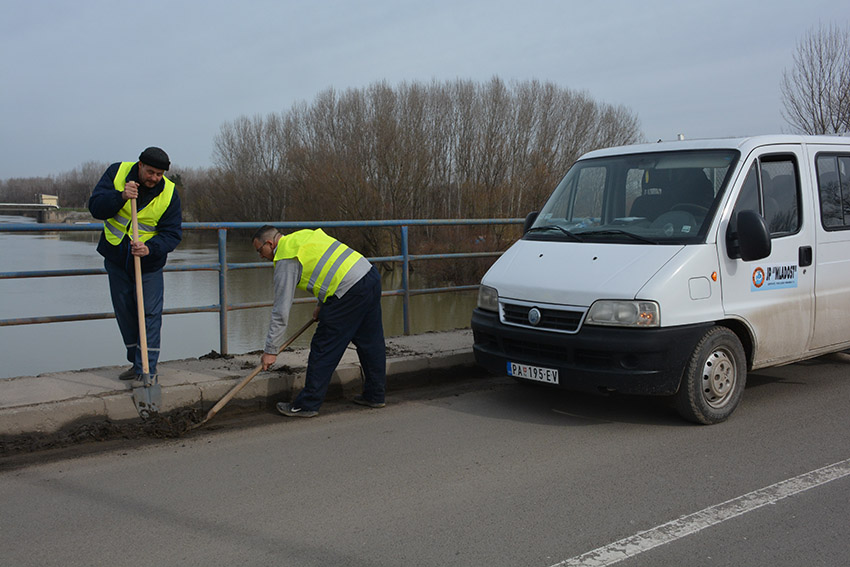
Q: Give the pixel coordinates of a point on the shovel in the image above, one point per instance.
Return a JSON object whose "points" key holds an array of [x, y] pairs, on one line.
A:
{"points": [[148, 396], [235, 390]]}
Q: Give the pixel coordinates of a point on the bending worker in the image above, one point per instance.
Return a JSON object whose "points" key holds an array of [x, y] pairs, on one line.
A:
{"points": [[160, 231], [348, 288]]}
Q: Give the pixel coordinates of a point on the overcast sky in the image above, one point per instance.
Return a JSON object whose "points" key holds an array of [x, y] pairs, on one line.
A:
{"points": [[93, 80]]}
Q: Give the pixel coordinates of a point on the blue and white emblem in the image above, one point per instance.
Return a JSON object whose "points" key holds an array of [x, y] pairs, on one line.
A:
{"points": [[534, 316]]}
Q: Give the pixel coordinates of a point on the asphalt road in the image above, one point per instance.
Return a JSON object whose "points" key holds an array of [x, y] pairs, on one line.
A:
{"points": [[481, 472]]}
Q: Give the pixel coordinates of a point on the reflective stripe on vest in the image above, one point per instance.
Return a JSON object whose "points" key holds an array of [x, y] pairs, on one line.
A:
{"points": [[148, 217], [324, 260]]}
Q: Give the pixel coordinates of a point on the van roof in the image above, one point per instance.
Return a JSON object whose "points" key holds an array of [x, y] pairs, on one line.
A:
{"points": [[742, 144]]}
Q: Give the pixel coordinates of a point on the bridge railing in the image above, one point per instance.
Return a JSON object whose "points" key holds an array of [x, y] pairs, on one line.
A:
{"points": [[223, 267]]}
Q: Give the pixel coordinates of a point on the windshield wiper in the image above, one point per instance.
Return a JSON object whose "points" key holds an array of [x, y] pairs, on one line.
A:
{"points": [[611, 231], [562, 229]]}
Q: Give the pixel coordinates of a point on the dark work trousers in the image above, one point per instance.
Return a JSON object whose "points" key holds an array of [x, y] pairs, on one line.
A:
{"points": [[122, 287], [353, 318]]}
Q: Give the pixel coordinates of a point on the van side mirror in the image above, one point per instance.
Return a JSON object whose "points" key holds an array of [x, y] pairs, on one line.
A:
{"points": [[529, 220], [753, 236]]}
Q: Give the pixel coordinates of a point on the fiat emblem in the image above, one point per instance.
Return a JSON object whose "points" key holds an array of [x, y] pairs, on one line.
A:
{"points": [[534, 316]]}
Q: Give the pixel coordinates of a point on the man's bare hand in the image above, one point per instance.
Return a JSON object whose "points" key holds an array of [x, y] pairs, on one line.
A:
{"points": [[140, 249], [131, 190], [267, 360]]}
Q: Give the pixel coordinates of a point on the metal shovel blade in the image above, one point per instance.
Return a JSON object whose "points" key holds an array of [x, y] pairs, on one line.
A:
{"points": [[148, 396]]}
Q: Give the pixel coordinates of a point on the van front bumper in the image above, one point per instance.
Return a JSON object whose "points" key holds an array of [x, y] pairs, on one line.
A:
{"points": [[606, 359]]}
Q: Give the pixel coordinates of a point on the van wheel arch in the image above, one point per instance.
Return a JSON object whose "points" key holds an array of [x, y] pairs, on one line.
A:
{"points": [[744, 335]]}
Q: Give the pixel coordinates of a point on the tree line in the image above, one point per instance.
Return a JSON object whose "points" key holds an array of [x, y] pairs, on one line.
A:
{"points": [[438, 150], [73, 187]]}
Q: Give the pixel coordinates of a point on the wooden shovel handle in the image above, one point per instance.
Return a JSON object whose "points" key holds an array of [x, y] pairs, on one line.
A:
{"points": [[140, 298]]}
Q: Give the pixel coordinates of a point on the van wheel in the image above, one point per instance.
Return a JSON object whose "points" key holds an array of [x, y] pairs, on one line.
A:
{"points": [[714, 379]]}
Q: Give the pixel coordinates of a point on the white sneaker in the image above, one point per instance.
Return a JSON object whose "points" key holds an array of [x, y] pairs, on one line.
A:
{"points": [[288, 410]]}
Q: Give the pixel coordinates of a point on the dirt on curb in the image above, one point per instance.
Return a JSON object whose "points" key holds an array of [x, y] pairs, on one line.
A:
{"points": [[159, 426]]}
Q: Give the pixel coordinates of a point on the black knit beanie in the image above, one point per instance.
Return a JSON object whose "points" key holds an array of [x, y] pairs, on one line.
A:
{"points": [[155, 157]]}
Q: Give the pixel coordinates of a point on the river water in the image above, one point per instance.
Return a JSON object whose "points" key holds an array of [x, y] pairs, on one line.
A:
{"points": [[27, 350]]}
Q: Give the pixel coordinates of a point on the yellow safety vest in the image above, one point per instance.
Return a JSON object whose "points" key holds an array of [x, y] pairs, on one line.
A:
{"points": [[115, 228], [324, 260]]}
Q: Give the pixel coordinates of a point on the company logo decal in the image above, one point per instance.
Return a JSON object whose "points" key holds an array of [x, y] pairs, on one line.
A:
{"points": [[774, 276], [534, 316]]}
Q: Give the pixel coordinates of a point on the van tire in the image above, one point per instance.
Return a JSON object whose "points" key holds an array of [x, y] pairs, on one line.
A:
{"points": [[714, 378]]}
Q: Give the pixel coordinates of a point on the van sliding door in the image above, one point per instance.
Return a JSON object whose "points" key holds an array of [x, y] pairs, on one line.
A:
{"points": [[832, 257]]}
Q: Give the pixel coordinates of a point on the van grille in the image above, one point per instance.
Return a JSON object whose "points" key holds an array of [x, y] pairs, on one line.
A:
{"points": [[560, 320]]}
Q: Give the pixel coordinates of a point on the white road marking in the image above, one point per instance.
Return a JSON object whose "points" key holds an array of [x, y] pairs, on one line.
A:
{"points": [[693, 523]]}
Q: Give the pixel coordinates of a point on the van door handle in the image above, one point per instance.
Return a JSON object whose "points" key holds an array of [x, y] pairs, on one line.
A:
{"points": [[805, 256]]}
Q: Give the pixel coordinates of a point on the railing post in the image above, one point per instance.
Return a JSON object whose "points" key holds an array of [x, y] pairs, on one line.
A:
{"points": [[222, 289], [405, 282]]}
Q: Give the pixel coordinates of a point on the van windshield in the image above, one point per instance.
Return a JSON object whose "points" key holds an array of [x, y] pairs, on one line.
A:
{"points": [[659, 198]]}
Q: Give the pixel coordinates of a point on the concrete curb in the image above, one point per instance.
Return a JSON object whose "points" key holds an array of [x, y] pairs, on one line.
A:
{"points": [[50, 403]]}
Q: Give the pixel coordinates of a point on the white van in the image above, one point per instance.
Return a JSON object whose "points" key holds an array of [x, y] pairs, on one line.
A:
{"points": [[674, 268]]}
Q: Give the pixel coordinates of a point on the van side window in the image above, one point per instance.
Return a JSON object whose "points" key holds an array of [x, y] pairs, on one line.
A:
{"points": [[771, 189], [834, 190], [781, 195]]}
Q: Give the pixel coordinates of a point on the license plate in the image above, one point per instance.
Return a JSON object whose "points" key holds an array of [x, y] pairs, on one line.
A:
{"points": [[548, 375]]}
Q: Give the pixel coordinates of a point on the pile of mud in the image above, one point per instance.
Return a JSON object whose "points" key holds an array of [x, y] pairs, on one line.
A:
{"points": [[214, 355], [159, 426]]}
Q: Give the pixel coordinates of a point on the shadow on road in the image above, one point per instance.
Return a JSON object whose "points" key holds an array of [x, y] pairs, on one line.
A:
{"points": [[505, 399]]}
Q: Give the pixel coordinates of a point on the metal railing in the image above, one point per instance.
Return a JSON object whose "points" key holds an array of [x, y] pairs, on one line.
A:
{"points": [[223, 266]]}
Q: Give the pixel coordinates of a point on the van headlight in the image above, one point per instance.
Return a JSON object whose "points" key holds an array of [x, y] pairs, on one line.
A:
{"points": [[488, 298], [623, 313]]}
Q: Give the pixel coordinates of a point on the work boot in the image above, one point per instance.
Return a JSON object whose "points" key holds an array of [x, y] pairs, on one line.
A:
{"points": [[364, 402], [138, 381], [128, 374]]}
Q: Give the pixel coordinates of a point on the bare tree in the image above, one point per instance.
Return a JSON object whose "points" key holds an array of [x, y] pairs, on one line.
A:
{"points": [[816, 92], [251, 180], [74, 187]]}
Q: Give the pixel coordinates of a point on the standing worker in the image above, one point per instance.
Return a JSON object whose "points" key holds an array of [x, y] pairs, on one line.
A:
{"points": [[348, 288], [160, 231]]}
